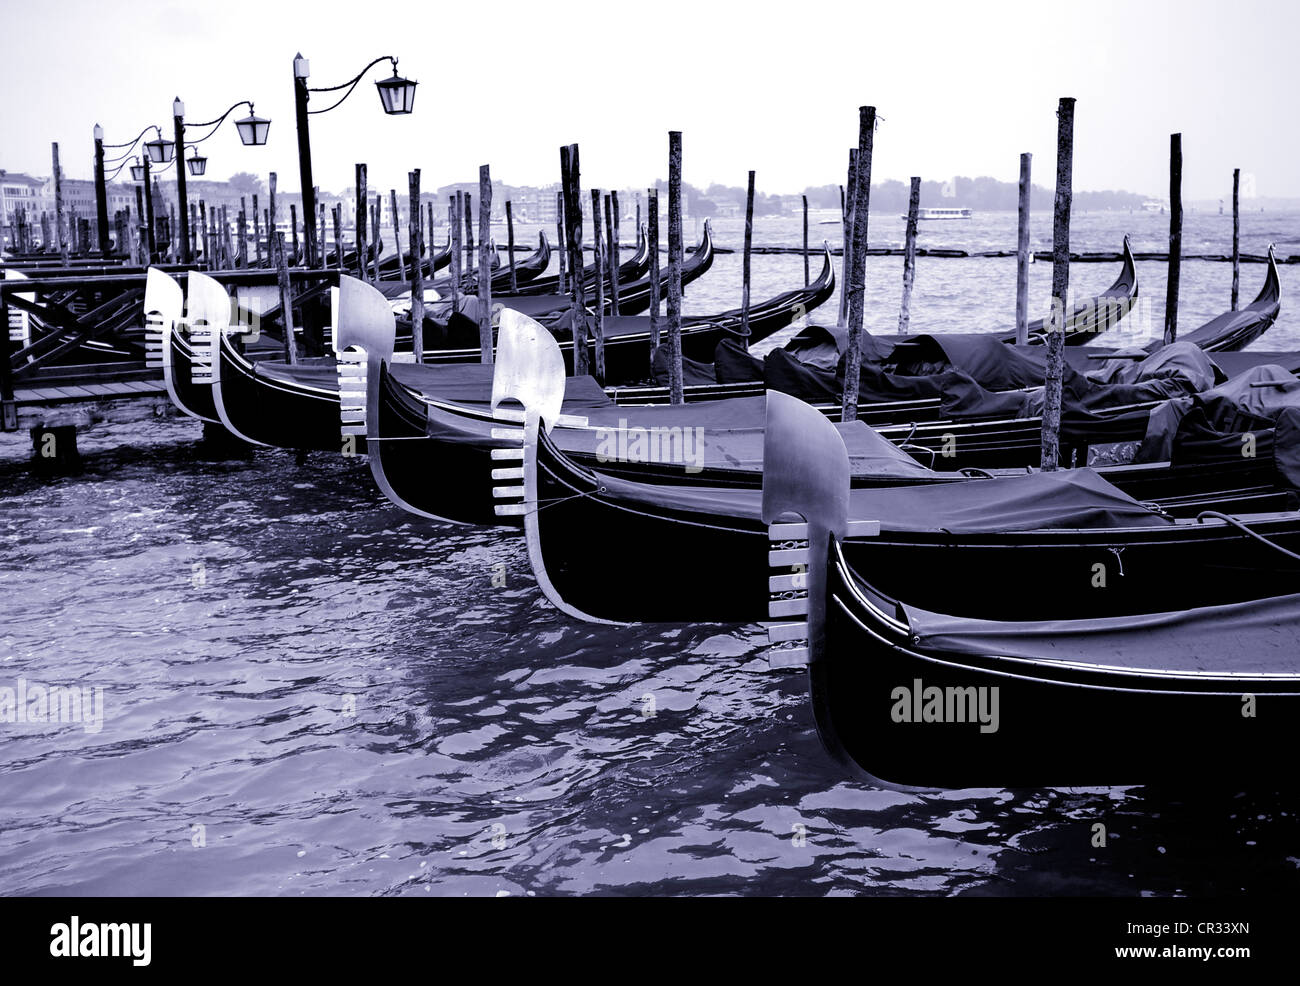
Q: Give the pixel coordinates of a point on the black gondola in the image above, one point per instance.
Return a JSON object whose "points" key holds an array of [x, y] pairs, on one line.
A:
{"points": [[907, 697], [975, 533], [1094, 316]]}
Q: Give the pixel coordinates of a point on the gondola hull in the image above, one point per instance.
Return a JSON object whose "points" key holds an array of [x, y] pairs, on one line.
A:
{"points": [[906, 715], [708, 561]]}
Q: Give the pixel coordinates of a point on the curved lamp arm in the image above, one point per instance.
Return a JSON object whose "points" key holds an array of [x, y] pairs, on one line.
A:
{"points": [[117, 171], [216, 124], [351, 84], [130, 145]]}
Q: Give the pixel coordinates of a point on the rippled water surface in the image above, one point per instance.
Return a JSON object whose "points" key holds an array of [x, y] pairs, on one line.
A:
{"points": [[307, 691]]}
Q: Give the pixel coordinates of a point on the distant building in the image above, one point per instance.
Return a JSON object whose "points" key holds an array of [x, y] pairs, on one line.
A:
{"points": [[20, 191]]}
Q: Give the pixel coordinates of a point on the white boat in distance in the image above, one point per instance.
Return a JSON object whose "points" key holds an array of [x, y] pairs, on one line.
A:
{"points": [[943, 214]]}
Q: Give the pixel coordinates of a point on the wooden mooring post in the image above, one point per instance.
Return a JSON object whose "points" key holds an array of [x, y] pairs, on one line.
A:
{"points": [[453, 218], [745, 264], [257, 231], [807, 273], [281, 277], [415, 232], [321, 259], [1236, 235], [58, 204], [598, 309], [615, 254], [909, 257], [1022, 251], [652, 234], [570, 184], [559, 237], [1051, 439], [860, 202], [485, 264], [363, 205], [397, 239], [676, 389], [510, 245], [470, 260], [1175, 236], [847, 204], [338, 235], [293, 228], [375, 211]]}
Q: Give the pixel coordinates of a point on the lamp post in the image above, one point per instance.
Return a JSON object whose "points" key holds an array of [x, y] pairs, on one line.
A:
{"points": [[143, 178], [252, 130], [101, 193], [396, 95], [182, 198], [159, 151]]}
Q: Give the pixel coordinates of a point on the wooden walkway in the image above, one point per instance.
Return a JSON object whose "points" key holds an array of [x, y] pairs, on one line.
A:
{"points": [[67, 393]]}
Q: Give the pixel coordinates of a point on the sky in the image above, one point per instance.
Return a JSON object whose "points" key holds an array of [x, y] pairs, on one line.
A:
{"points": [[961, 88]]}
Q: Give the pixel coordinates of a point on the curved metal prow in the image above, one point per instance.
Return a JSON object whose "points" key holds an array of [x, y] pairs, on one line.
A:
{"points": [[529, 369], [806, 473], [365, 330], [164, 305], [362, 317]]}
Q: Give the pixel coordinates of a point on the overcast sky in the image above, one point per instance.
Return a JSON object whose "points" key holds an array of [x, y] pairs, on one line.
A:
{"points": [[962, 87]]}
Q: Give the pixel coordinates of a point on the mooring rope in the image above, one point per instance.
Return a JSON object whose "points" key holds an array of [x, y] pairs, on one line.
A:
{"points": [[1245, 530]]}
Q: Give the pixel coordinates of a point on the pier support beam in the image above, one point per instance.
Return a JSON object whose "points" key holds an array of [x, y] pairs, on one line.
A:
{"points": [[54, 450]]}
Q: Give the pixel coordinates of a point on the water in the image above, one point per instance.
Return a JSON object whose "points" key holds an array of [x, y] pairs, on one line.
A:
{"points": [[345, 699]]}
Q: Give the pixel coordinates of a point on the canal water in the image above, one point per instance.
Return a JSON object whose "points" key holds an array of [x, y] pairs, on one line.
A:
{"points": [[306, 691]]}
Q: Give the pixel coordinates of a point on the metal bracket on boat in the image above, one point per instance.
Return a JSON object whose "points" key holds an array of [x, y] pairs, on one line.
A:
{"points": [[164, 304], [805, 472], [207, 313], [364, 335]]}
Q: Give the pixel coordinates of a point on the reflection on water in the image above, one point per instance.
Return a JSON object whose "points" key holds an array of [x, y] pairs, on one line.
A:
{"points": [[307, 691], [339, 700]]}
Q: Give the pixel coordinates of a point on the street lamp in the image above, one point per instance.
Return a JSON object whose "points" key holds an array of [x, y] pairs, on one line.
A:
{"points": [[252, 133], [196, 162], [396, 95], [253, 129], [160, 151], [138, 171]]}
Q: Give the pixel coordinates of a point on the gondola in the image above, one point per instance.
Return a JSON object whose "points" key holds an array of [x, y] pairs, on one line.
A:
{"points": [[1233, 331], [1096, 315], [633, 269], [913, 698], [973, 531], [450, 411], [526, 270], [298, 406]]}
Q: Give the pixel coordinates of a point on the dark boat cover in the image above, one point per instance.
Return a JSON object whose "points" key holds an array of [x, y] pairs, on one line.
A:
{"points": [[1259, 636], [1068, 499], [1255, 413], [694, 373]]}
